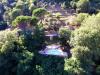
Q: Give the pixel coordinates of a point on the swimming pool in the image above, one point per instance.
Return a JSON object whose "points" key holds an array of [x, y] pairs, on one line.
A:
{"points": [[53, 50]]}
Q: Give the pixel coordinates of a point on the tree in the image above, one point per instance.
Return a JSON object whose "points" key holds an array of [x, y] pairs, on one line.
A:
{"points": [[39, 12], [83, 6], [25, 65], [13, 55], [73, 67], [83, 54], [65, 34], [98, 70], [24, 6], [31, 8], [81, 17], [24, 21], [3, 25], [14, 13], [7, 40], [88, 35]]}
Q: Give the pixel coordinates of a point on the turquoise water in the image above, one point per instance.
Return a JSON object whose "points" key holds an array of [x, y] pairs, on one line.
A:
{"points": [[54, 52], [57, 52]]}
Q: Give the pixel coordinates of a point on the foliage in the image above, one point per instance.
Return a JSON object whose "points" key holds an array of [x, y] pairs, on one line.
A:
{"points": [[81, 53], [65, 34], [58, 15], [7, 40], [15, 13], [3, 25], [80, 17], [88, 35], [19, 46], [85, 42], [92, 21], [1, 9], [24, 66], [83, 6], [24, 6], [65, 4], [31, 8], [73, 67], [98, 70], [55, 65], [25, 20], [39, 12]]}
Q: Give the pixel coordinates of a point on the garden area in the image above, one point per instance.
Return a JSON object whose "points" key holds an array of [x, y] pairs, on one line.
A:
{"points": [[49, 37]]}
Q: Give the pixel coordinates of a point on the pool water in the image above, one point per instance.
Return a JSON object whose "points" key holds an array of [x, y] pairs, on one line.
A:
{"points": [[53, 51]]}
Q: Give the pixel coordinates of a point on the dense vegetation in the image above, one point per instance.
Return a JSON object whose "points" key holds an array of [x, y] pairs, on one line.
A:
{"points": [[22, 35]]}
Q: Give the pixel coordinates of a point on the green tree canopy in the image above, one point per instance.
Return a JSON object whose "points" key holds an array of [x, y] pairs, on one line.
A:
{"points": [[88, 35], [25, 20], [83, 5], [39, 12]]}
